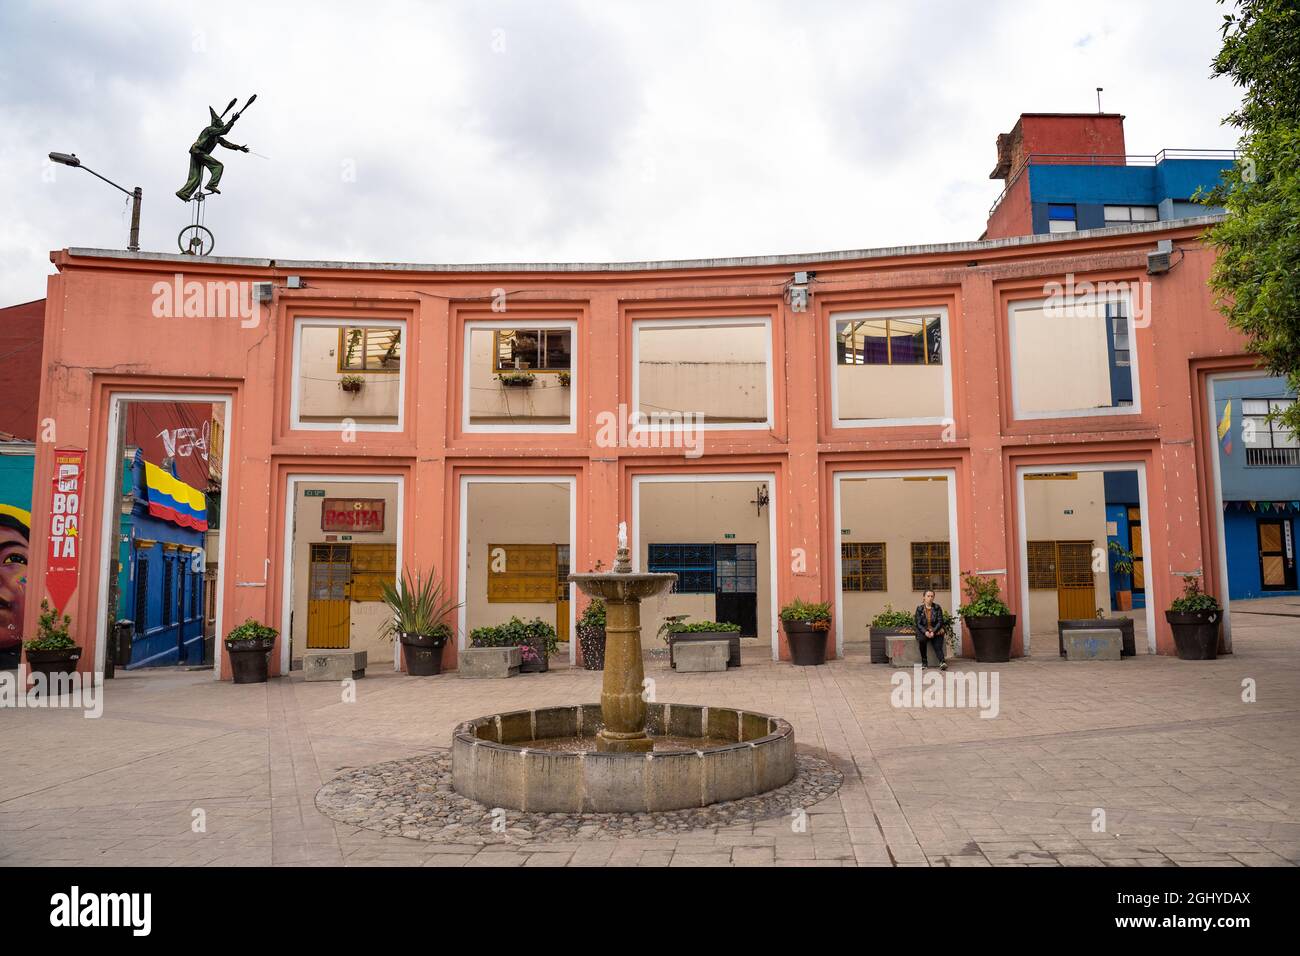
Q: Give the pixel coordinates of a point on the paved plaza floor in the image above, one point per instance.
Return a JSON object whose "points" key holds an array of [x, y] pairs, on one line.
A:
{"points": [[1184, 770]]}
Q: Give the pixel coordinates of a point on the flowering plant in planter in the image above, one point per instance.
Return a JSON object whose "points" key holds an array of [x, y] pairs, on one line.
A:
{"points": [[806, 612], [591, 636], [807, 626], [1195, 619], [535, 635], [988, 619], [249, 646], [351, 383], [516, 379]]}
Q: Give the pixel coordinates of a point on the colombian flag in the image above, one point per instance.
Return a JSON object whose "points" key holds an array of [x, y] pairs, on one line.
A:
{"points": [[173, 500], [1225, 428]]}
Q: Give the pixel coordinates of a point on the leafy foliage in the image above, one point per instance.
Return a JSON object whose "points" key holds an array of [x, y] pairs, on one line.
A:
{"points": [[516, 378], [888, 618], [52, 634], [420, 605], [1256, 276], [807, 612], [594, 614], [983, 597], [1194, 600], [252, 630], [697, 627], [517, 633]]}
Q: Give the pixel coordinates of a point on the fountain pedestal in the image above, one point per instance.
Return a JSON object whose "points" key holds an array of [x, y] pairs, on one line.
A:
{"points": [[622, 706]]}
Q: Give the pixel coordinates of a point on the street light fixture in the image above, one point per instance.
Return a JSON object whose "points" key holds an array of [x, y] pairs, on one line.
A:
{"points": [[137, 194]]}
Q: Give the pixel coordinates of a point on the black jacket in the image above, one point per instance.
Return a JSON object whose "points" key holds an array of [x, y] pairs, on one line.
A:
{"points": [[936, 624]]}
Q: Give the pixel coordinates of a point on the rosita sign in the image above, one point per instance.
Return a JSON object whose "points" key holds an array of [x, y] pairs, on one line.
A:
{"points": [[352, 514], [64, 538]]}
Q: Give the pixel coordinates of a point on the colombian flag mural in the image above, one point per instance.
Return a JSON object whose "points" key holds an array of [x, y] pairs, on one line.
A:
{"points": [[1225, 428], [173, 500]]}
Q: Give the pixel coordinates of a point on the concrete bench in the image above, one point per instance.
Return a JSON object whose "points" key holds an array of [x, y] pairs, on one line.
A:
{"points": [[479, 662], [1094, 644], [903, 651], [693, 657], [333, 665]]}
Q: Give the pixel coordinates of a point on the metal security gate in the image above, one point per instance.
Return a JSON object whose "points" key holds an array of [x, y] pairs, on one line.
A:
{"points": [[736, 575], [328, 591]]}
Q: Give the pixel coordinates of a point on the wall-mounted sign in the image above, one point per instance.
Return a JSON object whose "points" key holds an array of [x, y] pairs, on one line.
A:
{"points": [[728, 535], [352, 514], [64, 551], [1069, 511], [313, 493], [846, 530]]}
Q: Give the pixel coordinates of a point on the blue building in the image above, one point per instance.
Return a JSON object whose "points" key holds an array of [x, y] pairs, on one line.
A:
{"points": [[164, 589], [1259, 474], [1068, 171]]}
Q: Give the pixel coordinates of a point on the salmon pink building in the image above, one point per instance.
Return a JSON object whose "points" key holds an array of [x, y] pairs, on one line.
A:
{"points": [[850, 427]]}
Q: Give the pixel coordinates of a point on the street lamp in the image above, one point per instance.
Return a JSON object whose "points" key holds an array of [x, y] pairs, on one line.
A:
{"points": [[70, 159]]}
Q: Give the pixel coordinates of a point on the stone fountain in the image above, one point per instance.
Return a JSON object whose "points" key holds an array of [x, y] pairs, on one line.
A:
{"points": [[626, 754]]}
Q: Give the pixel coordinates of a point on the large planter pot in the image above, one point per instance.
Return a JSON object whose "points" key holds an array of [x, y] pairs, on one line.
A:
{"points": [[991, 637], [423, 653], [52, 664], [539, 666], [250, 661], [592, 641], [731, 637], [878, 636], [1196, 633], [1123, 624], [807, 643]]}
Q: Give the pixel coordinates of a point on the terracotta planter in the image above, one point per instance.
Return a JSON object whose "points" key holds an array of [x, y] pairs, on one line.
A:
{"points": [[250, 661], [991, 637], [1124, 599], [807, 643], [423, 653], [1196, 633], [52, 664], [731, 637], [592, 641], [878, 635]]}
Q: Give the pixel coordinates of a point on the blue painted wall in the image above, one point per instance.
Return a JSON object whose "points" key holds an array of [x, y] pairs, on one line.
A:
{"points": [[159, 641], [1241, 535]]}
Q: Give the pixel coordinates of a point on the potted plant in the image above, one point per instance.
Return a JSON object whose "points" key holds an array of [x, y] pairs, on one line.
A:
{"points": [[249, 646], [52, 652], [351, 383], [1121, 564], [419, 620], [517, 379], [1195, 619], [536, 641], [591, 636], [989, 620], [889, 623], [806, 627], [682, 631], [566, 379]]}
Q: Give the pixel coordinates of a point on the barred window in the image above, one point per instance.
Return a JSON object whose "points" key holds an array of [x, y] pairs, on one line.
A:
{"points": [[931, 566], [141, 594], [693, 564], [168, 592], [863, 566], [1042, 565]]}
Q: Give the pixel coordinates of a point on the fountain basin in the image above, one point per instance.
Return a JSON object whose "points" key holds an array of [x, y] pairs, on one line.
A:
{"points": [[499, 760]]}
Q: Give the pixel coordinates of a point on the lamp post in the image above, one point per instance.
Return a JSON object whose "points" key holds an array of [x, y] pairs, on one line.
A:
{"points": [[137, 194]]}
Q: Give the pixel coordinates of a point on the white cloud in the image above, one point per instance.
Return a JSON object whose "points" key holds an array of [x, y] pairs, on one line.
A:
{"points": [[566, 131]]}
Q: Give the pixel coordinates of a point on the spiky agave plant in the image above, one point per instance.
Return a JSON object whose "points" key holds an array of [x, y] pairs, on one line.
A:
{"points": [[419, 604]]}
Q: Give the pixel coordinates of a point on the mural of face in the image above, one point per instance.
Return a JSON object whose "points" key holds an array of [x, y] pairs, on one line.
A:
{"points": [[13, 582]]}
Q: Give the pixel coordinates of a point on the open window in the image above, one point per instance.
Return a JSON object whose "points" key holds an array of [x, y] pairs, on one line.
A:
{"points": [[348, 372], [1073, 357], [712, 373], [888, 368], [519, 377]]}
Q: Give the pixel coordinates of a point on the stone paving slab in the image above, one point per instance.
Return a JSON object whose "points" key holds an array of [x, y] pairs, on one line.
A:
{"points": [[182, 770]]}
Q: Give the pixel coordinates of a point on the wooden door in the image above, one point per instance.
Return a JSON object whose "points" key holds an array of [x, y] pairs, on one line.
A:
{"points": [[1277, 571], [1135, 546], [1076, 595], [563, 592], [328, 589]]}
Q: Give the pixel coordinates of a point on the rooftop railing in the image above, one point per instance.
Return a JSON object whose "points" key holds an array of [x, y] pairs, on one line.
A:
{"points": [[1109, 159]]}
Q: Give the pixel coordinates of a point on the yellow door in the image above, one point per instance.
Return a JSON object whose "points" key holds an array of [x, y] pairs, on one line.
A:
{"points": [[1076, 595], [328, 586], [1135, 546], [562, 592]]}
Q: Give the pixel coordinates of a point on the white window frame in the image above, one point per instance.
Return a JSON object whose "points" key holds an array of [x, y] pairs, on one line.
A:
{"points": [[295, 410], [467, 358], [941, 312], [1020, 414], [634, 413]]}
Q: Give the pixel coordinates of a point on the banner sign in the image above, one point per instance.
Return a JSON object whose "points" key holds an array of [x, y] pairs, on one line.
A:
{"points": [[64, 550], [352, 514]]}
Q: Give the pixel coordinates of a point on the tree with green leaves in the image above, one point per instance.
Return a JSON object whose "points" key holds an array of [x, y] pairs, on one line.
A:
{"points": [[1256, 277]]}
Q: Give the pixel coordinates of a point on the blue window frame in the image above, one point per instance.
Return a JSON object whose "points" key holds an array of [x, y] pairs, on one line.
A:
{"points": [[1061, 211]]}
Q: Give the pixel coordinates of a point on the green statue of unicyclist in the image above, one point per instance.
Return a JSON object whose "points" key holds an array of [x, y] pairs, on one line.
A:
{"points": [[201, 152]]}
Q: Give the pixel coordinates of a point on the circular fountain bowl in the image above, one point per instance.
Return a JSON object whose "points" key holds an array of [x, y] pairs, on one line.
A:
{"points": [[538, 760]]}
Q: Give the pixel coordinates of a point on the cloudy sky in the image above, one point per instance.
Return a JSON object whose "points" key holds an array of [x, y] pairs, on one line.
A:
{"points": [[561, 131]]}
